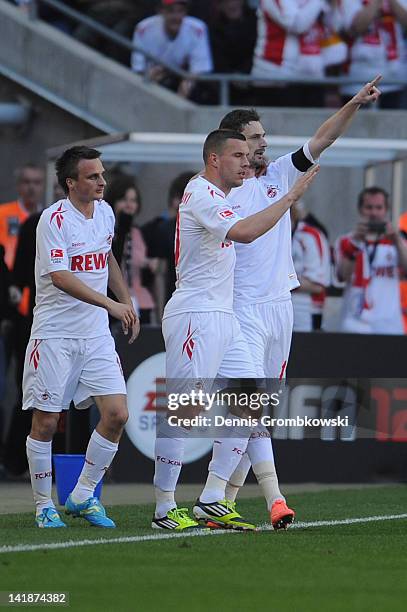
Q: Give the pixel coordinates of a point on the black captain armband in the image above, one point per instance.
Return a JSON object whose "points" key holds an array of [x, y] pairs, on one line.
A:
{"points": [[301, 161]]}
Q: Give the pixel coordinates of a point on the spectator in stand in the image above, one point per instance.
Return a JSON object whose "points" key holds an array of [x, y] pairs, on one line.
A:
{"points": [[176, 39], [4, 316], [159, 235], [312, 262], [30, 192], [232, 31], [289, 37], [23, 293], [375, 29], [403, 283], [233, 36], [369, 260], [129, 247]]}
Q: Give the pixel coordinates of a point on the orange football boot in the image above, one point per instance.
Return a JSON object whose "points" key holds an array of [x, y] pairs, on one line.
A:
{"points": [[281, 515]]}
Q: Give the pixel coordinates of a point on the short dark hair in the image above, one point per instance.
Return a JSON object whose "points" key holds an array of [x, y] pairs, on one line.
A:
{"points": [[216, 140], [178, 185], [117, 188], [238, 119], [66, 166], [372, 191]]}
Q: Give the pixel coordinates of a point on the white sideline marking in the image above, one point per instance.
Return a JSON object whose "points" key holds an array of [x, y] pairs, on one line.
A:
{"points": [[191, 534]]}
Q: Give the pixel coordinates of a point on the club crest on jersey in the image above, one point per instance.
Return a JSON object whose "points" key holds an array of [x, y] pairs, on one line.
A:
{"points": [[272, 191]]}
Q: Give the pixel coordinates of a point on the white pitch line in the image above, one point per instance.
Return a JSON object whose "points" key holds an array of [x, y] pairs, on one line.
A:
{"points": [[190, 534]]}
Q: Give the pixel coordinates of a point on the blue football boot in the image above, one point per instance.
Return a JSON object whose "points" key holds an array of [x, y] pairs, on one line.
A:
{"points": [[49, 517], [91, 510]]}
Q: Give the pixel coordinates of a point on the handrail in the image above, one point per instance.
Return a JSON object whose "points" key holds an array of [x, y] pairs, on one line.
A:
{"points": [[224, 80]]}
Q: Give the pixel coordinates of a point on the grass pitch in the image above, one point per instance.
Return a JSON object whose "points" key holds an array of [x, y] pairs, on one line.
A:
{"points": [[351, 566]]}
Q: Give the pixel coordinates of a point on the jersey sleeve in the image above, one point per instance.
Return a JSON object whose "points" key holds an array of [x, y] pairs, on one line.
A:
{"points": [[214, 214], [111, 221], [316, 265], [52, 245], [201, 56], [138, 60]]}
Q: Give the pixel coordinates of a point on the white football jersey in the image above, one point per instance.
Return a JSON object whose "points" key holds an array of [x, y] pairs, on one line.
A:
{"points": [[66, 240], [204, 258], [312, 259], [289, 38], [264, 269], [189, 50], [371, 301]]}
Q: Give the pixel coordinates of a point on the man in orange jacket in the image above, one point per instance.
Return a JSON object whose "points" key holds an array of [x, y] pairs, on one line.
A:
{"points": [[30, 192]]}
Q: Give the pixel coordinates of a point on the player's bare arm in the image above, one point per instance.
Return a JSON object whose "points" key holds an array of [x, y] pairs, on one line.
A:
{"points": [[119, 288], [249, 229], [364, 17], [399, 11], [68, 282], [308, 286], [336, 125]]}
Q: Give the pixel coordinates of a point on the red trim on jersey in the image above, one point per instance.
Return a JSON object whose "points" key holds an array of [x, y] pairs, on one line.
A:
{"points": [[58, 215], [275, 41], [348, 248], [213, 193], [358, 278], [383, 240], [177, 241], [308, 229]]}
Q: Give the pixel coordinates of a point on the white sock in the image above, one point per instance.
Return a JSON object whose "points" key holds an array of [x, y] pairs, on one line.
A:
{"points": [[165, 501], [40, 464], [99, 455], [238, 478], [227, 453], [260, 452], [169, 455]]}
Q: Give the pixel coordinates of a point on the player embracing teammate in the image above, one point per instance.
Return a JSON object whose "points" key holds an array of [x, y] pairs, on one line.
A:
{"points": [[233, 237]]}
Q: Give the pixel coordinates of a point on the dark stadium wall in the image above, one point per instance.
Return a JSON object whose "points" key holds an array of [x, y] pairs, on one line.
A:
{"points": [[47, 127]]}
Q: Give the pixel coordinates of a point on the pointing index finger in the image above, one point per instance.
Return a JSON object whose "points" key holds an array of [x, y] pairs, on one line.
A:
{"points": [[376, 80]]}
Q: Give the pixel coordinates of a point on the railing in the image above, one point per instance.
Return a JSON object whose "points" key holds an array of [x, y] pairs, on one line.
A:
{"points": [[224, 81]]}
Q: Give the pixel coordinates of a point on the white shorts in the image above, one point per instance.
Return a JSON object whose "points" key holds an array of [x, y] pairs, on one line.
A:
{"points": [[201, 346], [268, 330], [59, 370]]}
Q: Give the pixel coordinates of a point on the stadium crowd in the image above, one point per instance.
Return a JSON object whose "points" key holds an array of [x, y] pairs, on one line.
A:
{"points": [[287, 40]]}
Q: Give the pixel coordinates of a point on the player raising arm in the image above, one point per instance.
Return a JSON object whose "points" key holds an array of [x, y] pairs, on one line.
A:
{"points": [[262, 302], [201, 333]]}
